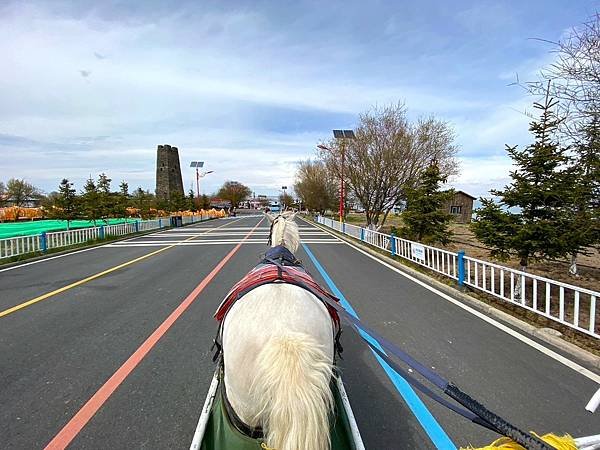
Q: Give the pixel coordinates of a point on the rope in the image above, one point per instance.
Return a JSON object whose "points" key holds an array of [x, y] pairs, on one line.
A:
{"points": [[477, 412]]}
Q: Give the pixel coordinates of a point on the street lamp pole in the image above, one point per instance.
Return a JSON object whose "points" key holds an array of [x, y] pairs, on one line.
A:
{"points": [[284, 196], [198, 165], [341, 136]]}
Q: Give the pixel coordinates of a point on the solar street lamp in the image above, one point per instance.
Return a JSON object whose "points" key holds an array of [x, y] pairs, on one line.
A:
{"points": [[283, 197], [198, 165], [342, 136]]}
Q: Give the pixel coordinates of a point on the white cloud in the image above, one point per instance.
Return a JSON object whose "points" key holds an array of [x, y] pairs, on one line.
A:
{"points": [[97, 90], [479, 175]]}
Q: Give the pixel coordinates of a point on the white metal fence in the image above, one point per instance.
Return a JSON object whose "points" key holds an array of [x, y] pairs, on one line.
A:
{"points": [[564, 303], [21, 245]]}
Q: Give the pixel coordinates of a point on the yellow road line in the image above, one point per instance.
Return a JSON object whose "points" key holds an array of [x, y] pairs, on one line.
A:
{"points": [[98, 275]]}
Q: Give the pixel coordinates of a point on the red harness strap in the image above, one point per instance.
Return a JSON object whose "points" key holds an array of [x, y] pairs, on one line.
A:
{"points": [[271, 273]]}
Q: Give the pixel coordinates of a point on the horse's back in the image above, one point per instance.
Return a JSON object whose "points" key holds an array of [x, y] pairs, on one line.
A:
{"points": [[264, 314]]}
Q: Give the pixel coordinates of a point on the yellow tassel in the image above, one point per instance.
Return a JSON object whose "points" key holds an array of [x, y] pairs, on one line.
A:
{"points": [[266, 447], [565, 442]]}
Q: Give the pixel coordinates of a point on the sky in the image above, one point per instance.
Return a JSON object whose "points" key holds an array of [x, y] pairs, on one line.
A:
{"points": [[251, 87]]}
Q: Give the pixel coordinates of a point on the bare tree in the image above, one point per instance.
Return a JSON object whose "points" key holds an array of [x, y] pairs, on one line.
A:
{"points": [[388, 156], [2, 193], [19, 192], [235, 192], [574, 77], [315, 186]]}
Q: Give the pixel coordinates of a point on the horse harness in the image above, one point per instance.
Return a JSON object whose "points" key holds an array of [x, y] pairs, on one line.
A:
{"points": [[278, 265]]}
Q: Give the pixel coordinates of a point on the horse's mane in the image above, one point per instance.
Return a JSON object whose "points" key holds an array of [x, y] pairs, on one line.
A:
{"points": [[285, 231]]}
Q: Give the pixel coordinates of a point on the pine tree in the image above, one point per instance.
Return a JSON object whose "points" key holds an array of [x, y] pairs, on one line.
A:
{"points": [[121, 201], [105, 201], [191, 201], [204, 202], [143, 201], [530, 221], [90, 201], [66, 202], [425, 219], [584, 208]]}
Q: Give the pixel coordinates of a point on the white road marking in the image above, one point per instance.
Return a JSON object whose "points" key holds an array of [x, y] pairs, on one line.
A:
{"points": [[214, 242], [109, 245], [546, 351]]}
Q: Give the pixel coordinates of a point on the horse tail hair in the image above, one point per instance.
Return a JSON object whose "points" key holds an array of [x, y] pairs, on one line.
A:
{"points": [[292, 388]]}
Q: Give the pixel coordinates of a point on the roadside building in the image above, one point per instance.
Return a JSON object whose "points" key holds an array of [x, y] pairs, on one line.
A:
{"points": [[461, 207]]}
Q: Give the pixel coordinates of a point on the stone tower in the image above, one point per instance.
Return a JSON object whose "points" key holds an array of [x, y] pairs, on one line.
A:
{"points": [[168, 172]]}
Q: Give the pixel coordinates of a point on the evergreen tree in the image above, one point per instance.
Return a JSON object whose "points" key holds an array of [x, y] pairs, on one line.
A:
{"points": [[191, 201], [530, 221], [143, 201], [105, 201], [124, 189], [121, 201], [90, 201], [67, 202], [425, 219], [584, 208], [177, 202], [204, 202]]}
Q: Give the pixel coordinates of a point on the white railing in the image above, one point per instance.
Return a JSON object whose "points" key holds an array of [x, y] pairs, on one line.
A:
{"points": [[72, 237], [21, 245], [569, 305]]}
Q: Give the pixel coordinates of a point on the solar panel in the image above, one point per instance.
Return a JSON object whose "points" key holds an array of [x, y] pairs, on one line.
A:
{"points": [[338, 134], [348, 134]]}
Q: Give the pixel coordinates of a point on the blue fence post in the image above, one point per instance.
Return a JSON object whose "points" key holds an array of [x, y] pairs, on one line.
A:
{"points": [[362, 234], [137, 226], [44, 242], [159, 223], [344, 227], [101, 232], [460, 260], [392, 244]]}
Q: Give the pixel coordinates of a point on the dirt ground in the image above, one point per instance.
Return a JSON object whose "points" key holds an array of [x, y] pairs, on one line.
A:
{"points": [[588, 277], [463, 239]]}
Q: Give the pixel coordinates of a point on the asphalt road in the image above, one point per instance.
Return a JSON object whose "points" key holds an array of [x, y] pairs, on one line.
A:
{"points": [[127, 353]]}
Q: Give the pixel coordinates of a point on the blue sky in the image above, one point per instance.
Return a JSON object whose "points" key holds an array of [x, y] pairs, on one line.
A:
{"points": [[251, 87]]}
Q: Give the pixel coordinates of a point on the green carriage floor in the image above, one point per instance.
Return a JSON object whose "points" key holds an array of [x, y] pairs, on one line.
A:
{"points": [[221, 434]]}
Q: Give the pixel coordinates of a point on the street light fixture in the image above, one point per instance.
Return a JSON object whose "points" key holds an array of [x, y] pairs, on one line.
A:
{"points": [[199, 165], [283, 197], [342, 136]]}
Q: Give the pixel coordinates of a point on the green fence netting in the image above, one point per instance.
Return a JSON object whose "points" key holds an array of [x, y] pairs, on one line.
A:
{"points": [[12, 229]]}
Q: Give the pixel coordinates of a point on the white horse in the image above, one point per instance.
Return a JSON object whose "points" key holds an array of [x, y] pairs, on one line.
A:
{"points": [[278, 355]]}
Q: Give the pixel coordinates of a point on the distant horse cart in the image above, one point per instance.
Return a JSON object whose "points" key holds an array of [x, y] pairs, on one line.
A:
{"points": [[276, 386]]}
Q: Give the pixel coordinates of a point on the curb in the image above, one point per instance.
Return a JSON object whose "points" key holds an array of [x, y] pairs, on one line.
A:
{"points": [[547, 335], [85, 247]]}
